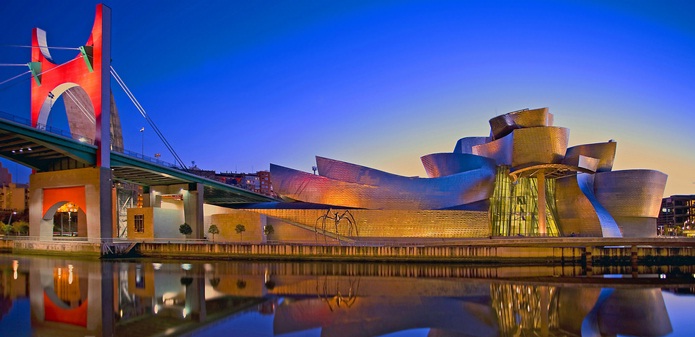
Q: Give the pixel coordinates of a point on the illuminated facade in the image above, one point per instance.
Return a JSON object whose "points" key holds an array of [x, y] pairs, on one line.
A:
{"points": [[677, 216], [524, 174]]}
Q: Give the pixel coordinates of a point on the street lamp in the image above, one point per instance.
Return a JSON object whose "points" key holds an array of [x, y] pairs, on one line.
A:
{"points": [[70, 210], [142, 131], [11, 214]]}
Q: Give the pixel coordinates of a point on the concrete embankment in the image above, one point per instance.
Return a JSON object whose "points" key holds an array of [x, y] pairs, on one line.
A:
{"points": [[588, 251]]}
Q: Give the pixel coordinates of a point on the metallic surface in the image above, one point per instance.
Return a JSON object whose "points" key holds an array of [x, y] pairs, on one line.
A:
{"points": [[633, 197], [631, 192], [350, 185], [503, 125], [444, 164], [604, 152], [609, 228], [527, 147], [576, 213], [500, 150], [534, 146], [584, 195], [465, 145]]}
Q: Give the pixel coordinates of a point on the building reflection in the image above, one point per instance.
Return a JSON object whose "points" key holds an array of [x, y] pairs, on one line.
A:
{"points": [[147, 298]]}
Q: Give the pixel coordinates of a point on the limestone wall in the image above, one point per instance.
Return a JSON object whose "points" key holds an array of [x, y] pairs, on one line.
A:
{"points": [[389, 223], [226, 223]]}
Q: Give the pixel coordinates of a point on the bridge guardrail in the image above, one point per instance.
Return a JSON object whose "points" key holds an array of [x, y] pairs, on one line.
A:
{"points": [[81, 138], [145, 158], [47, 128]]}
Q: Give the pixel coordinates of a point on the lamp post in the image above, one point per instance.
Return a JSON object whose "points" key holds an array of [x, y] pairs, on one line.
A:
{"points": [[9, 222], [70, 210], [142, 131]]}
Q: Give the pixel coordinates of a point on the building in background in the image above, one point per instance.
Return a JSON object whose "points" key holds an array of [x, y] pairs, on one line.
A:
{"points": [[258, 182], [677, 216], [14, 198]]}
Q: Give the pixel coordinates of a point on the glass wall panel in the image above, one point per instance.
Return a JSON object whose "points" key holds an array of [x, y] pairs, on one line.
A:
{"points": [[514, 205]]}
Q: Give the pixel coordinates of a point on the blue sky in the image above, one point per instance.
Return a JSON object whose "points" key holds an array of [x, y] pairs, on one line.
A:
{"points": [[237, 85]]}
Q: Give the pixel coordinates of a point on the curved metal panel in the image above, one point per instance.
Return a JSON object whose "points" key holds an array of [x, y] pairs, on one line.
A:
{"points": [[604, 152], [527, 147], [609, 228], [503, 125], [368, 188], [465, 145], [500, 150], [633, 197], [444, 164], [534, 146], [575, 211], [631, 193]]}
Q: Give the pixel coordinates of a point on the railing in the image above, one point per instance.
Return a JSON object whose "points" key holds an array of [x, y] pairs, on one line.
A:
{"points": [[81, 139], [143, 157], [47, 128]]}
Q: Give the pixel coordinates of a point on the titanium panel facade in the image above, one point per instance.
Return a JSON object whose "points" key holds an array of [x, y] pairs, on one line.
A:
{"points": [[575, 212], [373, 189], [604, 152], [503, 125], [465, 145], [633, 197], [535, 146], [527, 147], [444, 164], [500, 173], [500, 150]]}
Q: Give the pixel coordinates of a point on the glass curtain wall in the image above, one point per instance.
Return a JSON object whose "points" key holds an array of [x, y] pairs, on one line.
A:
{"points": [[514, 206]]}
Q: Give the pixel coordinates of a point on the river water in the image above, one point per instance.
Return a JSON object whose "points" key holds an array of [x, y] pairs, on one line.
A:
{"points": [[71, 297]]}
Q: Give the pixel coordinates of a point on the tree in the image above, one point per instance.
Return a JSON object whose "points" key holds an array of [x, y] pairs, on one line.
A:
{"points": [[240, 229], [21, 227], [7, 229], [185, 229], [213, 230], [268, 229], [24, 229]]}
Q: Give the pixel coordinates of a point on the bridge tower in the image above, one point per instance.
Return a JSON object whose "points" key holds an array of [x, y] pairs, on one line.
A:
{"points": [[84, 83]]}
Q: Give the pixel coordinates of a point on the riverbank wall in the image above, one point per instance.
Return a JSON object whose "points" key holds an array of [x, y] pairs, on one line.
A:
{"points": [[587, 251]]}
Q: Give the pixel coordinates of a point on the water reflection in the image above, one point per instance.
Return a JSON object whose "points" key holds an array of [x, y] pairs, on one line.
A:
{"points": [[148, 298]]}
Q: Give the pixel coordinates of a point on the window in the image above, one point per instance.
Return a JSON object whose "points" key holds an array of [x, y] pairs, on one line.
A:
{"points": [[139, 223]]}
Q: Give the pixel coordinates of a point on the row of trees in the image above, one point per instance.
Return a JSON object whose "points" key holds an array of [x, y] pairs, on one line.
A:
{"points": [[17, 228], [186, 229]]}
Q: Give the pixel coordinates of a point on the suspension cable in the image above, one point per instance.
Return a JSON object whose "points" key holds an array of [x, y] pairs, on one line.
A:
{"points": [[41, 73], [144, 114], [15, 77], [49, 47], [80, 106]]}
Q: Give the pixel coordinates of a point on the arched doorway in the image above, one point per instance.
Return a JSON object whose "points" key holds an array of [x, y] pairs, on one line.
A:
{"points": [[66, 221], [64, 215]]}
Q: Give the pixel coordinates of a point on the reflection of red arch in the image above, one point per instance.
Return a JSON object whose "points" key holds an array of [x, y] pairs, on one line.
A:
{"points": [[55, 313], [52, 196]]}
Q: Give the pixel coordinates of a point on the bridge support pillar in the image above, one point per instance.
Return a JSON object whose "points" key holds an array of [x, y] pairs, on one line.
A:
{"points": [[193, 209], [89, 189]]}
